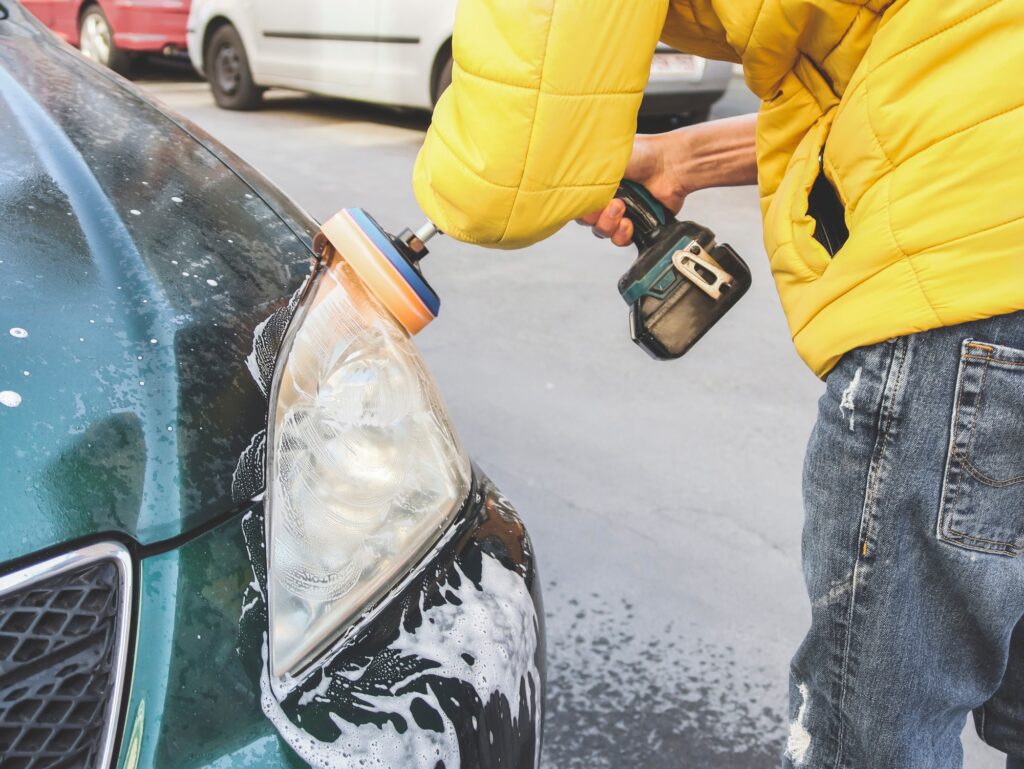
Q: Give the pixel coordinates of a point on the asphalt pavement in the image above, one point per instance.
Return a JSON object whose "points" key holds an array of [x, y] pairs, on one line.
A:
{"points": [[663, 498]]}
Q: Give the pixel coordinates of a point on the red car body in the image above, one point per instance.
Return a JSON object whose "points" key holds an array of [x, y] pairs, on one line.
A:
{"points": [[138, 25]]}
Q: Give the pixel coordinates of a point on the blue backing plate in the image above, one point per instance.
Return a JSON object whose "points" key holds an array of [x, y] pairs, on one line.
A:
{"points": [[385, 246]]}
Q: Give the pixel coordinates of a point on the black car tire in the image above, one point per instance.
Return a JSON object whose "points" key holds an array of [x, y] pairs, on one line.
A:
{"points": [[96, 41], [227, 69], [444, 76]]}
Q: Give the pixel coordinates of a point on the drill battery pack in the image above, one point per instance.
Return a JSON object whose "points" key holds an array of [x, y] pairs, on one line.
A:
{"points": [[681, 284]]}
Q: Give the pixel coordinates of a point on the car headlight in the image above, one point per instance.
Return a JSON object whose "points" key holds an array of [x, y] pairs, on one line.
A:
{"points": [[364, 470]]}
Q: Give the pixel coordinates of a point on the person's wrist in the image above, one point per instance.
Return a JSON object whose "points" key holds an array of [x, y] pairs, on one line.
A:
{"points": [[679, 156]]}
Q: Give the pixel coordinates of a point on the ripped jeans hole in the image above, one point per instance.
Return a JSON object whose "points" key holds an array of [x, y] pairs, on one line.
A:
{"points": [[847, 400], [798, 743]]}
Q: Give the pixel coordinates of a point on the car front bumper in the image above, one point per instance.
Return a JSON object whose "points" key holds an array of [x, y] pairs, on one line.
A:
{"points": [[449, 670], [678, 96]]}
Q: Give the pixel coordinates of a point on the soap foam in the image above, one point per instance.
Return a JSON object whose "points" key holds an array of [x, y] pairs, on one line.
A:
{"points": [[495, 624]]}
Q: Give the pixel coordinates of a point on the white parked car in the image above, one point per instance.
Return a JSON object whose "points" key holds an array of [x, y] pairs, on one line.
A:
{"points": [[386, 51]]}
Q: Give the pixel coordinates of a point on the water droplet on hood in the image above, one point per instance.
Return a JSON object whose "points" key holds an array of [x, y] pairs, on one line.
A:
{"points": [[10, 398]]}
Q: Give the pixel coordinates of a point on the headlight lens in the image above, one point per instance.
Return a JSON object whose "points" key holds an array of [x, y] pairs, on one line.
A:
{"points": [[364, 470]]}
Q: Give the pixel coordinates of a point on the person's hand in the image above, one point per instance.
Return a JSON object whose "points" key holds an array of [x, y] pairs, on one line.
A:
{"points": [[720, 153], [657, 164]]}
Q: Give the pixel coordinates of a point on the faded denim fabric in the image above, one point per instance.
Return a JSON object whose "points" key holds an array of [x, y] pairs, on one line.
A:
{"points": [[913, 552]]}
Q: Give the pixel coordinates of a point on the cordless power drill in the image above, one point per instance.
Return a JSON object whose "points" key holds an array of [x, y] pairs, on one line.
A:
{"points": [[681, 284]]}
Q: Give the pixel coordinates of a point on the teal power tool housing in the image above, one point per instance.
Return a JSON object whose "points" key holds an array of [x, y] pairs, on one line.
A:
{"points": [[682, 283]]}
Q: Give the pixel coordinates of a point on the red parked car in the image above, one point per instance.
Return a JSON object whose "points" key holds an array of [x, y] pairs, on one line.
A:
{"points": [[113, 31]]}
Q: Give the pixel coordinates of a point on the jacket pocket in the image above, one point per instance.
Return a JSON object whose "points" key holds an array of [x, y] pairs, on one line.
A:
{"points": [[982, 504]]}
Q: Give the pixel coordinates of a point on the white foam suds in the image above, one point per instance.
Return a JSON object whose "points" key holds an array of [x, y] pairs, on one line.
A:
{"points": [[18, 333], [211, 282], [10, 399], [495, 625], [250, 605], [135, 212], [175, 199], [247, 477], [260, 354], [317, 693]]}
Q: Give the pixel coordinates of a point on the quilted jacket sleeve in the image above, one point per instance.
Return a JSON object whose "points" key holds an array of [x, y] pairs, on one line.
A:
{"points": [[698, 26], [538, 125]]}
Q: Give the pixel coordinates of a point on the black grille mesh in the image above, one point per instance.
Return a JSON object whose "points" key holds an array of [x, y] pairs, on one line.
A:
{"points": [[58, 638]]}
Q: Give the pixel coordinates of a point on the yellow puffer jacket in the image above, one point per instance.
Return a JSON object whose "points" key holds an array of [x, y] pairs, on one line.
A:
{"points": [[915, 108]]}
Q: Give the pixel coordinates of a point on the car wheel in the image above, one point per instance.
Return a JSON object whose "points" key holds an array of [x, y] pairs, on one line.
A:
{"points": [[227, 68], [444, 77], [96, 41]]}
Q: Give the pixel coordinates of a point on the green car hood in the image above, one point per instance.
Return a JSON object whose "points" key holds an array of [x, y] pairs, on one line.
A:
{"points": [[136, 258]]}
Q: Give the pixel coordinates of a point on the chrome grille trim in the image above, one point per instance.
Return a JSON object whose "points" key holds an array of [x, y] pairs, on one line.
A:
{"points": [[83, 557]]}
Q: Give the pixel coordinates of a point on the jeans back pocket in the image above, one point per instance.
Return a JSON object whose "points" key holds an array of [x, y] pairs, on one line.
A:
{"points": [[982, 504]]}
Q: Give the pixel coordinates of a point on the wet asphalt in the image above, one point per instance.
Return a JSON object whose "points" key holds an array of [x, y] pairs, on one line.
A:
{"points": [[663, 498]]}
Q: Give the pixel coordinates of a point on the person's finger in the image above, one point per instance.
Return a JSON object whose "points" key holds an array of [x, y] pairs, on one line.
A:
{"points": [[590, 219], [608, 222], [624, 235]]}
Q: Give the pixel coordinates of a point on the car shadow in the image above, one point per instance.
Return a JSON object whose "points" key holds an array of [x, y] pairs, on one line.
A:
{"points": [[345, 110], [164, 69]]}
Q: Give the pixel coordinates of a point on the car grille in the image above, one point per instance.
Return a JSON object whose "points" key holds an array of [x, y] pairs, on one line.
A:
{"points": [[62, 654]]}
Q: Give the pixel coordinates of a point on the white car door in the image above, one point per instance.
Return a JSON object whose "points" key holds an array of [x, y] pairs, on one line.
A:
{"points": [[417, 30], [323, 45]]}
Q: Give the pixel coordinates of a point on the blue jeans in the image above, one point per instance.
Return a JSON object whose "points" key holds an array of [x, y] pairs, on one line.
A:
{"points": [[913, 553]]}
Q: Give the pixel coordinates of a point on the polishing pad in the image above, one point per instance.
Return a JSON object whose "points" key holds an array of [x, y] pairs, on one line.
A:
{"points": [[378, 261]]}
